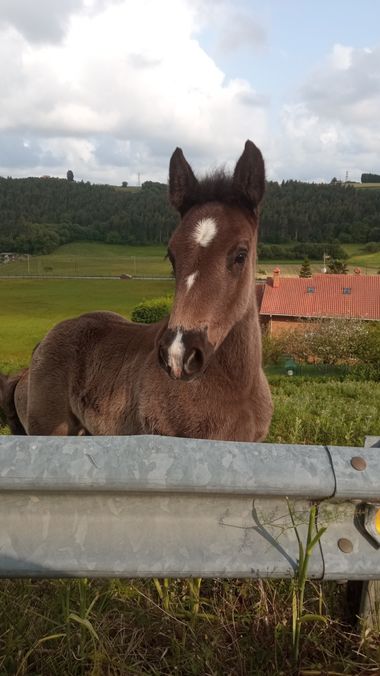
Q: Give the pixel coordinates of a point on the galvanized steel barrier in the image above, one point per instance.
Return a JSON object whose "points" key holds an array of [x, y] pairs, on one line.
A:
{"points": [[161, 506]]}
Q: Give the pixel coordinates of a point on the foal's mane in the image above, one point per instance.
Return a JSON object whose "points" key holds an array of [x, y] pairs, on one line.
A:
{"points": [[217, 186]]}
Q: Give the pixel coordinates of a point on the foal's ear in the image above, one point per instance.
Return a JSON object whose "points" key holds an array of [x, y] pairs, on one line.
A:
{"points": [[181, 181], [249, 175]]}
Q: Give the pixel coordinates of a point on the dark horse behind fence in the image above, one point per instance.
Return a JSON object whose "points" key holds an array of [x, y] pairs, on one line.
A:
{"points": [[195, 374]]}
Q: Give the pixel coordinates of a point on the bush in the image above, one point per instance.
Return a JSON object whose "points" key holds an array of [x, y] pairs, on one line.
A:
{"points": [[274, 349], [331, 342], [368, 353], [150, 311]]}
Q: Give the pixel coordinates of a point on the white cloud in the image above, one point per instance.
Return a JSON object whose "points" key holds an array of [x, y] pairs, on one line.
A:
{"points": [[334, 126], [110, 87], [132, 73], [341, 57], [39, 20], [241, 30]]}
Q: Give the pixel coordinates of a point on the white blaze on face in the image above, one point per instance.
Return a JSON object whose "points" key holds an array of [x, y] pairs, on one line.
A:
{"points": [[205, 231], [176, 352], [191, 279]]}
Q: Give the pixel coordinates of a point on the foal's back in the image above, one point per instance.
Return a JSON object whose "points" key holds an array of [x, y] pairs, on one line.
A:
{"points": [[98, 374], [83, 376]]}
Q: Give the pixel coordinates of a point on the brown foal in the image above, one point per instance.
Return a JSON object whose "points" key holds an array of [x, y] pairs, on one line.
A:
{"points": [[195, 374]]}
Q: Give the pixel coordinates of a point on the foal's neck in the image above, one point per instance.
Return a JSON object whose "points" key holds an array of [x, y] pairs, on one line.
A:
{"points": [[240, 353]]}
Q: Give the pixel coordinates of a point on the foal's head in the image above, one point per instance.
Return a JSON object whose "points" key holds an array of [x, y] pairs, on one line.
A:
{"points": [[212, 252]]}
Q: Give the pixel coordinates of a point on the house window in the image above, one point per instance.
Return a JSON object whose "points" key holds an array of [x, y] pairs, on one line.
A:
{"points": [[310, 289], [347, 290]]}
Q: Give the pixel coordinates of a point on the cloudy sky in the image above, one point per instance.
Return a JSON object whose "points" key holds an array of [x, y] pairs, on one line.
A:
{"points": [[108, 88]]}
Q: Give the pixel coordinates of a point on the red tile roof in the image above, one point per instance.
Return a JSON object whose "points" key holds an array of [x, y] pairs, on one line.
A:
{"points": [[294, 296]]}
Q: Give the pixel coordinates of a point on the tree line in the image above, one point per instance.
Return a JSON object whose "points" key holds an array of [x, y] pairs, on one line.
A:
{"points": [[370, 178], [39, 214], [301, 250], [317, 212]]}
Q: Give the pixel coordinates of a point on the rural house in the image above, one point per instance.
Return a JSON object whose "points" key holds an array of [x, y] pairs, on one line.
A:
{"points": [[287, 302]]}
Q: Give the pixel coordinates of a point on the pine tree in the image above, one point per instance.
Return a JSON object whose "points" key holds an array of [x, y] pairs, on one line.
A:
{"points": [[305, 270]]}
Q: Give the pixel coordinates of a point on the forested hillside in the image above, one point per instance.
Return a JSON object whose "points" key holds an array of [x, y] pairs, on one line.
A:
{"points": [[39, 214], [319, 212]]}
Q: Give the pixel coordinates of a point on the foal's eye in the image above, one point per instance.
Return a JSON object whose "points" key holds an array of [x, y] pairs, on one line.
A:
{"points": [[240, 257]]}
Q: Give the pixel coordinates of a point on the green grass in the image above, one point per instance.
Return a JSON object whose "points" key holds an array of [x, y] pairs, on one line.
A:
{"points": [[100, 259], [312, 410], [100, 249], [369, 262], [29, 308], [116, 628], [358, 257], [353, 249], [94, 258], [374, 186]]}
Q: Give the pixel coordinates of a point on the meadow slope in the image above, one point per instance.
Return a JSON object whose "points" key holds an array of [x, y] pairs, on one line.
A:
{"points": [[99, 259]]}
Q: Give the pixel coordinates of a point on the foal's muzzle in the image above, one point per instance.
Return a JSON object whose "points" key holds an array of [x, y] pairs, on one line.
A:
{"points": [[184, 355]]}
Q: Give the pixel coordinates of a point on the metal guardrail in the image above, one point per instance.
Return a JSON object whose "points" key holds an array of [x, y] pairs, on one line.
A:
{"points": [[161, 506]]}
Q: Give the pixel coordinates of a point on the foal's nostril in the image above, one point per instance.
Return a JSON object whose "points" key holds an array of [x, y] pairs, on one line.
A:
{"points": [[194, 362]]}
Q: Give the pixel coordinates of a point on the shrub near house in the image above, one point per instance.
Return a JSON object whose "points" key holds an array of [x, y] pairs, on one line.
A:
{"points": [[332, 342]]}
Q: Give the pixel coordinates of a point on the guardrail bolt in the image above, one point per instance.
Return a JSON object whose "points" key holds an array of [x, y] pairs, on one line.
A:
{"points": [[345, 545], [358, 463]]}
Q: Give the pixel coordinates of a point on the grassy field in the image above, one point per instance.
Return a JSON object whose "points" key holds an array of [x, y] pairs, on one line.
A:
{"points": [[123, 627], [369, 262], [357, 257], [364, 186], [99, 259], [94, 258], [312, 410], [29, 308]]}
